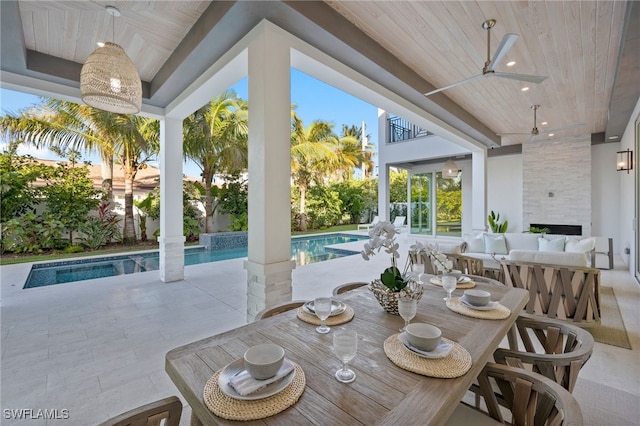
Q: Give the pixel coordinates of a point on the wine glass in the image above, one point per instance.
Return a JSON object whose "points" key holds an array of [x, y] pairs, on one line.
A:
{"points": [[345, 345], [449, 283], [418, 271], [322, 306], [407, 310]]}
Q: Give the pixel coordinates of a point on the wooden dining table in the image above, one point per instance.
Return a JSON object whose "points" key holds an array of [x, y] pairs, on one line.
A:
{"points": [[382, 393]]}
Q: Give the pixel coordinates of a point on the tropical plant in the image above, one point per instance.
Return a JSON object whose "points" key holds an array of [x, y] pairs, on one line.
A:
{"points": [[130, 139], [190, 214], [239, 222], [325, 207], [495, 225], [94, 235], [143, 206], [215, 138], [17, 173], [68, 195], [31, 234]]}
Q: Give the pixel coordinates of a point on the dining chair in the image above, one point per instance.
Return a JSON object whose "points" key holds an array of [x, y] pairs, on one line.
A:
{"points": [[424, 259], [553, 348], [529, 399], [278, 309], [471, 265], [348, 287], [152, 414]]}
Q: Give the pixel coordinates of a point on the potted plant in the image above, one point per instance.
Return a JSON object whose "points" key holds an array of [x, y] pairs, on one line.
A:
{"points": [[393, 283], [495, 225]]}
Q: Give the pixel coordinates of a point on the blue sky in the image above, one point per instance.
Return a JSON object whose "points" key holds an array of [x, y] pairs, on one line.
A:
{"points": [[314, 99]]}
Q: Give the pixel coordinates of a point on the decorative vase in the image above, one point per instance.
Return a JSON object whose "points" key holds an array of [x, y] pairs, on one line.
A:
{"points": [[389, 299]]}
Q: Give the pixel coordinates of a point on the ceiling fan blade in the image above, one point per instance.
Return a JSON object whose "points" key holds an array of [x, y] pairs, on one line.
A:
{"points": [[466, 80], [505, 44], [521, 77], [532, 137]]}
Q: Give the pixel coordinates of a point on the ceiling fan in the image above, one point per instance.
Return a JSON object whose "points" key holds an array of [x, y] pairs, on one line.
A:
{"points": [[490, 65], [535, 131]]}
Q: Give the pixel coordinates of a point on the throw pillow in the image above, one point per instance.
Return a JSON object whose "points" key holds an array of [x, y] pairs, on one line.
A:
{"points": [[475, 243], [576, 245], [495, 244], [556, 244]]}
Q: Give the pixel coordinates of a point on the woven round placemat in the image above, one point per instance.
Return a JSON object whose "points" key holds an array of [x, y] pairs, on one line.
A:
{"points": [[344, 317], [468, 284], [230, 408], [457, 363], [500, 312]]}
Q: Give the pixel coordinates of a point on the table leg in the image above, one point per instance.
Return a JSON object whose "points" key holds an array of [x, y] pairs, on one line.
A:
{"points": [[195, 421]]}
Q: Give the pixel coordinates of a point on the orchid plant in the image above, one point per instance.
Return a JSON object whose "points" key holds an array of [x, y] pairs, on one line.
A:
{"points": [[383, 236], [439, 259]]}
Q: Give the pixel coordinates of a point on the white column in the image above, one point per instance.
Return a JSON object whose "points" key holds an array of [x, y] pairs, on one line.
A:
{"points": [[383, 170], [479, 191], [269, 263], [171, 237]]}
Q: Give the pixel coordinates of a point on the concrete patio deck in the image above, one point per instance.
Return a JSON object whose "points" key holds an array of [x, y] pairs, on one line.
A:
{"points": [[96, 348]]}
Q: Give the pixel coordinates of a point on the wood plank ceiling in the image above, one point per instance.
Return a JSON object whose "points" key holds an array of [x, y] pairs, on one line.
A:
{"points": [[575, 43]]}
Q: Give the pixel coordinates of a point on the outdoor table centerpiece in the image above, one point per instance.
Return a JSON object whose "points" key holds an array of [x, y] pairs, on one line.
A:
{"points": [[392, 284]]}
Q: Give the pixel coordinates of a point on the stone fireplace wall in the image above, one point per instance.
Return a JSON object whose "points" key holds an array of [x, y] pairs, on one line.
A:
{"points": [[556, 176]]}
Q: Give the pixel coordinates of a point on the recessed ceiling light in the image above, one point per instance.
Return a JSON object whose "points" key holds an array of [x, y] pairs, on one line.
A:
{"points": [[544, 123], [510, 64], [613, 137], [100, 44], [551, 134], [524, 89]]}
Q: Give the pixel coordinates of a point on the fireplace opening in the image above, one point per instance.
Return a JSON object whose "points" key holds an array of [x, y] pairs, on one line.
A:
{"points": [[559, 229]]}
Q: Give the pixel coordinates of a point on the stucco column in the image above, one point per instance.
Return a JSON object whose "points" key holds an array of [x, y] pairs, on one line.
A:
{"points": [[269, 263], [479, 190], [171, 237]]}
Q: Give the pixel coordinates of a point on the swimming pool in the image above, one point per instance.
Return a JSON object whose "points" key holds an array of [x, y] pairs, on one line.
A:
{"points": [[304, 250]]}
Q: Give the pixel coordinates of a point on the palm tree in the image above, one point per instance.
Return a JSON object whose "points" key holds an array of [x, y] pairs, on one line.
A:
{"points": [[313, 156], [215, 138], [63, 126], [362, 153], [132, 140]]}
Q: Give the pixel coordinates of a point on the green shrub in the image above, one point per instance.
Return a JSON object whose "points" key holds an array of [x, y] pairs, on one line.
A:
{"points": [[31, 234], [73, 249]]}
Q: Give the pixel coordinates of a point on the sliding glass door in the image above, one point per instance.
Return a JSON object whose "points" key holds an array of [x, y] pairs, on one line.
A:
{"points": [[429, 193], [420, 204]]}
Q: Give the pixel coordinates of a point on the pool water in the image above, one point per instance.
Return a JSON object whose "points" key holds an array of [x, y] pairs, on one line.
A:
{"points": [[304, 250]]}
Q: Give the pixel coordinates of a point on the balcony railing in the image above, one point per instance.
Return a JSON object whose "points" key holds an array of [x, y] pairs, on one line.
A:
{"points": [[401, 130]]}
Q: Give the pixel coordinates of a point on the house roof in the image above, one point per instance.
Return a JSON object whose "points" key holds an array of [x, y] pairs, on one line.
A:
{"points": [[146, 179]]}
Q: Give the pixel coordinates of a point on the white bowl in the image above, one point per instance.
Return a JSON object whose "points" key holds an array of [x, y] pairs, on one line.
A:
{"points": [[454, 273], [477, 297], [263, 361], [425, 337]]}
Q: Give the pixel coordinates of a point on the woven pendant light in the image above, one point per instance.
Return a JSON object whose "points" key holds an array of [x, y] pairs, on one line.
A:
{"points": [[450, 170], [109, 79]]}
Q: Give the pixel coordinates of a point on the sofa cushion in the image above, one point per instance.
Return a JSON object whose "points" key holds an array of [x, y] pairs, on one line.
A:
{"points": [[549, 257], [475, 243], [520, 241], [449, 248], [495, 243], [550, 245], [576, 245]]}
